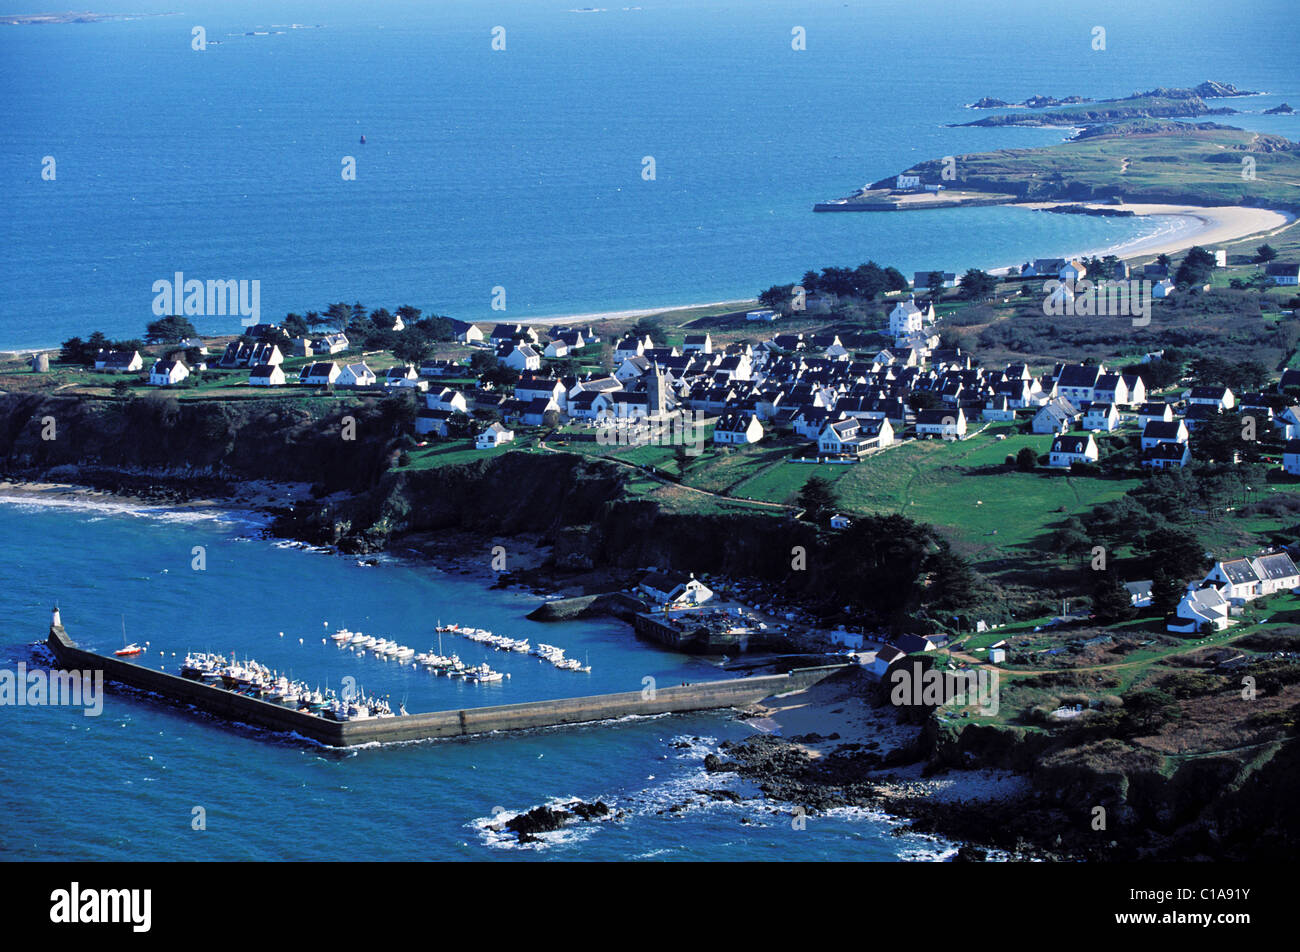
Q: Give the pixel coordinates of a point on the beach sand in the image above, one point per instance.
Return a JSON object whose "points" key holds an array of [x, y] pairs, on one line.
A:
{"points": [[831, 707], [1206, 226]]}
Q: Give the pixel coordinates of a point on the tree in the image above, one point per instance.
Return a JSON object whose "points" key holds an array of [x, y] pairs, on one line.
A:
{"points": [[1111, 601], [169, 330], [413, 347], [952, 580], [295, 326], [817, 499], [775, 297], [1178, 551], [934, 284], [1196, 268], [977, 285], [1166, 592], [1265, 253], [337, 316], [1026, 459]]}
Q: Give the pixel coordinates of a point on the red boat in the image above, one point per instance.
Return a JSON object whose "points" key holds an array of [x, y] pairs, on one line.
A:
{"points": [[131, 649]]}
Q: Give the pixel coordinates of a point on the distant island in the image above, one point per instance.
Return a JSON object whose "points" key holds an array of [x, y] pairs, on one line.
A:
{"points": [[29, 19], [1163, 102], [1132, 150]]}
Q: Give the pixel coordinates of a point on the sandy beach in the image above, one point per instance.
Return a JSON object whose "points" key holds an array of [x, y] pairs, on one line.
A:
{"points": [[594, 316], [1190, 225]]}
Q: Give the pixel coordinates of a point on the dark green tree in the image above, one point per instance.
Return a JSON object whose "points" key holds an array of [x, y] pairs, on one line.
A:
{"points": [[817, 499]]}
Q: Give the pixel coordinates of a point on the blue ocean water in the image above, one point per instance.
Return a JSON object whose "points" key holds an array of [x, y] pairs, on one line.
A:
{"points": [[522, 168], [124, 785]]}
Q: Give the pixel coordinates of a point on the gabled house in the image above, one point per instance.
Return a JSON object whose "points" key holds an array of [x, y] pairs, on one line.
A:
{"points": [[1164, 431], [1291, 457], [1071, 449], [1201, 607], [266, 375], [1235, 579], [356, 375], [319, 374], [166, 373], [119, 361], [674, 589], [1056, 416], [1276, 572], [522, 357], [698, 343], [944, 424], [1220, 398], [738, 428], [1101, 416], [494, 436], [1167, 455], [1154, 411]]}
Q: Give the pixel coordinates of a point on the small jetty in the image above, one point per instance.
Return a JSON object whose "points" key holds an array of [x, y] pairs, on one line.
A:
{"points": [[245, 708]]}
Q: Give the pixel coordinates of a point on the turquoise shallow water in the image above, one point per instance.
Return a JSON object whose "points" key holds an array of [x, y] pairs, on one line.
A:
{"points": [[123, 785], [522, 168]]}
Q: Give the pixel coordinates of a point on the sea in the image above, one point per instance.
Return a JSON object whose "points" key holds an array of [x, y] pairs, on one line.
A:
{"points": [[524, 169]]}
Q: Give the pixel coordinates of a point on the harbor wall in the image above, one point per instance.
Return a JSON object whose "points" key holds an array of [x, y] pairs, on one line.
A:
{"points": [[680, 698]]}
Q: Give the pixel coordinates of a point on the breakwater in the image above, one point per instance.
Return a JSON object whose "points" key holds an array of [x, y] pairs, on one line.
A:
{"points": [[650, 700]]}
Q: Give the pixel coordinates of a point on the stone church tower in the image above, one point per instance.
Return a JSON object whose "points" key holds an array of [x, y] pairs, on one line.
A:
{"points": [[657, 392]]}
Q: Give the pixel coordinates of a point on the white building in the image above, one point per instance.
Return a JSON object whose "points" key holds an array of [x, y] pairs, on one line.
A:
{"points": [[356, 375], [267, 375], [1074, 448], [166, 373], [494, 436]]}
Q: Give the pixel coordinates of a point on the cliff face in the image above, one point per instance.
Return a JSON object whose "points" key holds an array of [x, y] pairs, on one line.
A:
{"points": [[282, 440]]}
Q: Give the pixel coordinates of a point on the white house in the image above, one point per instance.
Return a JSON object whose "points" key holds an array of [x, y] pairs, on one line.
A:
{"points": [[738, 428], [319, 374], [1164, 431], [524, 358], [698, 344], [1073, 448], [330, 344], [555, 349], [1283, 272], [119, 361], [674, 590], [1221, 398], [998, 408], [1276, 573], [165, 373], [1101, 416], [840, 522], [763, 314], [1201, 606], [1235, 579], [886, 656], [945, 424], [1291, 457], [1163, 289], [356, 375], [906, 319], [1073, 272], [267, 375], [447, 399], [494, 436]]}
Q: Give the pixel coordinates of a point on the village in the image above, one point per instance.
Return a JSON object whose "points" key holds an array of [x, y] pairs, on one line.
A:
{"points": [[823, 402]]}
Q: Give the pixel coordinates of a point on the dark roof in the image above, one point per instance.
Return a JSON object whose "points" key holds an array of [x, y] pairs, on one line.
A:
{"points": [[1161, 430], [1070, 444]]}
